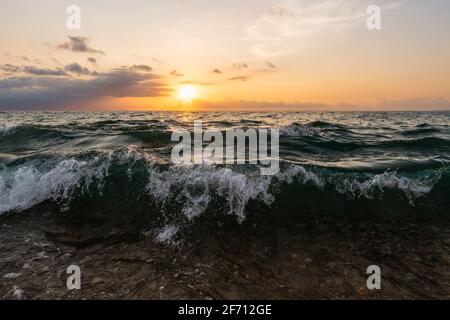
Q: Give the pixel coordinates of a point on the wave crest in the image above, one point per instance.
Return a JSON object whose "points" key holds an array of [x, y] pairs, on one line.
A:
{"points": [[28, 186], [189, 191], [298, 130]]}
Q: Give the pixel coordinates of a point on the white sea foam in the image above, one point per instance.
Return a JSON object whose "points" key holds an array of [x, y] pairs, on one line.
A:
{"points": [[190, 189], [17, 293], [7, 128], [195, 187], [12, 275], [297, 130], [27, 186], [167, 234], [412, 187]]}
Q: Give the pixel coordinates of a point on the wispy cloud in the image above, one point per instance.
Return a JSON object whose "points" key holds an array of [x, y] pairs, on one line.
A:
{"points": [[9, 68], [271, 65], [197, 83], [74, 68], [240, 78], [142, 67], [78, 69], [294, 23], [44, 71], [240, 65], [176, 73], [78, 44]]}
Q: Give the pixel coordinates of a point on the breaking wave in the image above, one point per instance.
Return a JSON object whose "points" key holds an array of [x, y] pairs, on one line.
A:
{"points": [[191, 191]]}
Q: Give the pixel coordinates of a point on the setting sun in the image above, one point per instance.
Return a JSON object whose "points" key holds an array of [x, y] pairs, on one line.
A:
{"points": [[187, 93]]}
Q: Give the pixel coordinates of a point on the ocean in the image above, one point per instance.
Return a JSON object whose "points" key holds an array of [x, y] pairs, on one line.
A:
{"points": [[116, 166]]}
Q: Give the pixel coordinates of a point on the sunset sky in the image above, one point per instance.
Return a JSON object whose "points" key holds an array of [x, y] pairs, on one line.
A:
{"points": [[224, 55]]}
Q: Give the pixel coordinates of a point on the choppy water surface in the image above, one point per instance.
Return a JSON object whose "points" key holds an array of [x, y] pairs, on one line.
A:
{"points": [[331, 163]]}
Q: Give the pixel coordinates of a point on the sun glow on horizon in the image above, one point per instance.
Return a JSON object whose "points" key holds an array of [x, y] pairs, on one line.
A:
{"points": [[187, 93]]}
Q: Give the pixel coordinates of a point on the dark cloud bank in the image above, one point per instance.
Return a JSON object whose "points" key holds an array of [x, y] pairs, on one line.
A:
{"points": [[41, 89]]}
